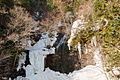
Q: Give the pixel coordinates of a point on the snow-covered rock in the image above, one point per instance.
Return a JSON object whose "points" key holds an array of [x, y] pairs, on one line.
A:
{"points": [[88, 73], [49, 75]]}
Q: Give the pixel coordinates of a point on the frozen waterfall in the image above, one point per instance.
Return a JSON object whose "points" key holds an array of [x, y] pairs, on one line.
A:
{"points": [[38, 52]]}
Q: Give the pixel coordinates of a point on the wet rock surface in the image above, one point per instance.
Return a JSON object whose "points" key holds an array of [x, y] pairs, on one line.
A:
{"points": [[63, 60]]}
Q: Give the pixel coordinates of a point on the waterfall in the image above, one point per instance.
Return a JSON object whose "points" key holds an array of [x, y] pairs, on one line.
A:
{"points": [[62, 41]]}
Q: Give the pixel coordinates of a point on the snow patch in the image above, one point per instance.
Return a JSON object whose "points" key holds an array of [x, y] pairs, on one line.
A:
{"points": [[88, 73]]}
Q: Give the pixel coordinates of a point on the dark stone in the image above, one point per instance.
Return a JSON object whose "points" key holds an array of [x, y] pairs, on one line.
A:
{"points": [[63, 60], [27, 62]]}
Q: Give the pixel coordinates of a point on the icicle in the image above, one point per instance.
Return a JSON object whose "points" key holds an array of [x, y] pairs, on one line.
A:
{"points": [[93, 41], [73, 31], [77, 25], [79, 49], [86, 50], [69, 43]]}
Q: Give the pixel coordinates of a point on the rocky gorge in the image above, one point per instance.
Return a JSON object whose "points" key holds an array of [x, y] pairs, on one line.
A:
{"points": [[60, 40]]}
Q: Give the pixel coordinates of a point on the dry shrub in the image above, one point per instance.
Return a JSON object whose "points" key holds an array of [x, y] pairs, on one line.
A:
{"points": [[86, 9], [21, 21], [61, 5]]}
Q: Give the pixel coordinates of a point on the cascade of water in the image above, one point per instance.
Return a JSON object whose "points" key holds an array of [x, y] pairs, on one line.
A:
{"points": [[63, 40]]}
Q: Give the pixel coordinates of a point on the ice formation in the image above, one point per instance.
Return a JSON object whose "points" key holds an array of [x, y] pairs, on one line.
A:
{"points": [[38, 52], [79, 50], [77, 25], [86, 49], [74, 31]]}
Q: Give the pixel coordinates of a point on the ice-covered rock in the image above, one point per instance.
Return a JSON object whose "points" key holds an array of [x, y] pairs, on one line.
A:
{"points": [[37, 54], [90, 72], [76, 27], [39, 51]]}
